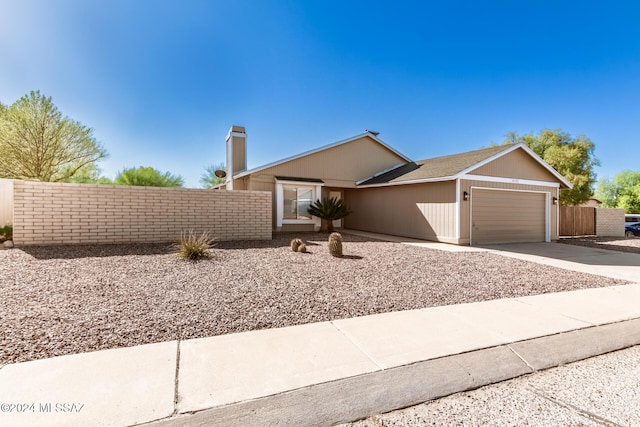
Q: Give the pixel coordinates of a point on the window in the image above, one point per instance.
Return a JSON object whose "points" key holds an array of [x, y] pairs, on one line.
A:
{"points": [[296, 202], [293, 198]]}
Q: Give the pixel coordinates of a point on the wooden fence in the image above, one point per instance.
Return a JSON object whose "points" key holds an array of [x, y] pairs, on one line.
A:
{"points": [[577, 221]]}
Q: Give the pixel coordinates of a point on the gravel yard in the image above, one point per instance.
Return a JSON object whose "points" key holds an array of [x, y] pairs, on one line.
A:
{"points": [[70, 299], [612, 243]]}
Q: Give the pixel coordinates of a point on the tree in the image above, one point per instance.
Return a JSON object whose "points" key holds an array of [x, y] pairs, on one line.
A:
{"points": [[148, 176], [572, 157], [37, 142], [621, 192], [329, 209], [209, 179], [89, 174]]}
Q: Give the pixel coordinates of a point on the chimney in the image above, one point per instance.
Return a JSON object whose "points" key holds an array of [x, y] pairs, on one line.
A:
{"points": [[236, 153]]}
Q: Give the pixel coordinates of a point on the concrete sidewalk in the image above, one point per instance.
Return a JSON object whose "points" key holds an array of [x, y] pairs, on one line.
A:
{"points": [[321, 373]]}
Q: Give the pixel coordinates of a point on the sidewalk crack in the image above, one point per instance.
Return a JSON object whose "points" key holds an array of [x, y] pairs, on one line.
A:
{"points": [[175, 393], [522, 358], [582, 412], [362, 350]]}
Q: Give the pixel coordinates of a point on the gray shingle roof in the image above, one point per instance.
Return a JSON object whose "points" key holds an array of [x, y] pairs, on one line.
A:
{"points": [[438, 167]]}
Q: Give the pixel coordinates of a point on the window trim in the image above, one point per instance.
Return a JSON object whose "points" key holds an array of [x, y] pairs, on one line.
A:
{"points": [[316, 191]]}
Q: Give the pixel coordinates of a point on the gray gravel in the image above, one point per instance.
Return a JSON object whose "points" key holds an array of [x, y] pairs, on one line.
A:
{"points": [[611, 243], [71, 299]]}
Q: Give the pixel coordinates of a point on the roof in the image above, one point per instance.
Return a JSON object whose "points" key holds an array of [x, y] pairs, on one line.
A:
{"points": [[326, 147], [451, 167], [437, 167]]}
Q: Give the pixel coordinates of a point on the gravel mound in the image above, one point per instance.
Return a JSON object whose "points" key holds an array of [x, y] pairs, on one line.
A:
{"points": [[68, 299]]}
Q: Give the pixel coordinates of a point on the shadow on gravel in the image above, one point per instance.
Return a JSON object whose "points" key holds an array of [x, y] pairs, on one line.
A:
{"points": [[280, 240], [96, 251]]}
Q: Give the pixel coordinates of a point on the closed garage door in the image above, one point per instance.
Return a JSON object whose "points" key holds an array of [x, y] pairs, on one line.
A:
{"points": [[499, 216]]}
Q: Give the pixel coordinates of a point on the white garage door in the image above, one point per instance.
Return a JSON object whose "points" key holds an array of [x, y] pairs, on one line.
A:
{"points": [[499, 216]]}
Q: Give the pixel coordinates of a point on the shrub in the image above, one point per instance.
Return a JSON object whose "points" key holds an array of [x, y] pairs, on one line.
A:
{"points": [[6, 233], [335, 244], [329, 209], [194, 247], [295, 244]]}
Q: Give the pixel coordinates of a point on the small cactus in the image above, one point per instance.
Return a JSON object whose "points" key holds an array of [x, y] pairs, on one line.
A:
{"points": [[302, 248], [335, 244], [295, 244]]}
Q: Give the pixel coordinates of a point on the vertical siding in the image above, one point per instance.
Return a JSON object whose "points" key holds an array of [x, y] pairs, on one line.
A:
{"points": [[465, 185], [517, 164], [424, 211], [340, 166], [6, 202]]}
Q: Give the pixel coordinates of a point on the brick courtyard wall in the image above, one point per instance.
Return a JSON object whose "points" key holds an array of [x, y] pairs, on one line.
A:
{"points": [[609, 222], [55, 213]]}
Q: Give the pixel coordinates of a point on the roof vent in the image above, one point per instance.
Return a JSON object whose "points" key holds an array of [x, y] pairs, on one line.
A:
{"points": [[372, 132]]}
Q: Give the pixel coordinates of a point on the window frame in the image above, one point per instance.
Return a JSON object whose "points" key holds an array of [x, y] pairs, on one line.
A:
{"points": [[316, 191]]}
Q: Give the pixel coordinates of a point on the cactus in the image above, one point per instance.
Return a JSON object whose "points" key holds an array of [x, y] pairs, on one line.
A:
{"points": [[295, 244], [335, 244], [302, 248]]}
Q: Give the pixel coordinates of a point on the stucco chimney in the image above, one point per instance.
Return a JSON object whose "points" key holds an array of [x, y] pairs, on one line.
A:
{"points": [[236, 153]]}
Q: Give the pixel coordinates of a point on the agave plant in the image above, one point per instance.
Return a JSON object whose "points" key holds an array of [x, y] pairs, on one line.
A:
{"points": [[329, 209]]}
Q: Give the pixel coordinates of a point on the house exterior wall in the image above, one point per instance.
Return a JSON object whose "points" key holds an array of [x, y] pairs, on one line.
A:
{"points": [[423, 211], [609, 222], [516, 164], [6, 202], [339, 166], [54, 213], [465, 206]]}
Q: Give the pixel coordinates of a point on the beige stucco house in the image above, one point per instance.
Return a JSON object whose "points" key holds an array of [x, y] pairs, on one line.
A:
{"points": [[493, 195]]}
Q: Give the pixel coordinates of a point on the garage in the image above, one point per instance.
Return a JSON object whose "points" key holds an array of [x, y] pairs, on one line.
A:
{"points": [[508, 216]]}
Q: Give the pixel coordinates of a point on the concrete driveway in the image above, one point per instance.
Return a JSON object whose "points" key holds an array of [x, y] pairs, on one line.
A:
{"points": [[617, 265]]}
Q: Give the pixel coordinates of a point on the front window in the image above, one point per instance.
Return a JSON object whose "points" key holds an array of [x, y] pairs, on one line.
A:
{"points": [[296, 202]]}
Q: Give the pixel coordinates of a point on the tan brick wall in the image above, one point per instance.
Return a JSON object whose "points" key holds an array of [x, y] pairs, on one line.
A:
{"points": [[54, 213], [609, 222]]}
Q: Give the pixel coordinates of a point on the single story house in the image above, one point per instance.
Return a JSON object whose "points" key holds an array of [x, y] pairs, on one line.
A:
{"points": [[499, 194]]}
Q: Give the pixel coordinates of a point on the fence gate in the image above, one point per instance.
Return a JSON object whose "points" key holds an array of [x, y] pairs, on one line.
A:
{"points": [[577, 221]]}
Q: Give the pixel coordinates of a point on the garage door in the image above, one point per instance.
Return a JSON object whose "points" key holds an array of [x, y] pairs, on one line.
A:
{"points": [[499, 216]]}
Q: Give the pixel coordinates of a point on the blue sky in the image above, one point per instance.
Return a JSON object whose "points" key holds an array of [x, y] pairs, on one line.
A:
{"points": [[161, 82]]}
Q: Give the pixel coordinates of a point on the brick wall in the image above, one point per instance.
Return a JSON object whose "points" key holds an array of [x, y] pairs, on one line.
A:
{"points": [[609, 222], [54, 213]]}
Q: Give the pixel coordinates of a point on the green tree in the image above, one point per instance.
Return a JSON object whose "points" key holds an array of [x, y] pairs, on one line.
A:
{"points": [[148, 176], [37, 142], [89, 174], [329, 209], [621, 192], [209, 179], [572, 157]]}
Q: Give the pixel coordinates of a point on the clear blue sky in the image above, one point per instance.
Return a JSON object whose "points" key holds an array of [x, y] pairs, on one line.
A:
{"points": [[161, 82]]}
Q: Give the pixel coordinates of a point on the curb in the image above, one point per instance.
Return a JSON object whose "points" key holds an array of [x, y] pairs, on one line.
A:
{"points": [[358, 397]]}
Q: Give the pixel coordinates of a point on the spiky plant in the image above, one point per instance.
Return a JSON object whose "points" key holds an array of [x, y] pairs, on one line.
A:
{"points": [[6, 233], [302, 248], [329, 209], [192, 246], [335, 244], [295, 244]]}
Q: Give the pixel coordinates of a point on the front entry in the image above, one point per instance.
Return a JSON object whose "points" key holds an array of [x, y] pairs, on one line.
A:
{"points": [[338, 195]]}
